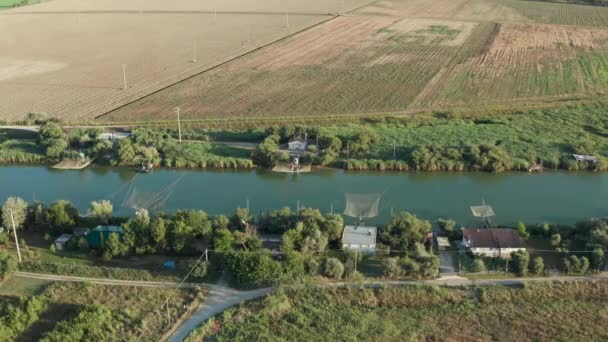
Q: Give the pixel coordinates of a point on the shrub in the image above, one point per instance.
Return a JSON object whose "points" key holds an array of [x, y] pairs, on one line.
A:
{"points": [[86, 271], [538, 266], [8, 265], [576, 265], [333, 268], [199, 270], [521, 228], [313, 267], [391, 267], [521, 260], [478, 266]]}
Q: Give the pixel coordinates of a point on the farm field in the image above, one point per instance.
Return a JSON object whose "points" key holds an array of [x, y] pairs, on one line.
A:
{"points": [[393, 57], [57, 311], [73, 68], [571, 311], [400, 57]]}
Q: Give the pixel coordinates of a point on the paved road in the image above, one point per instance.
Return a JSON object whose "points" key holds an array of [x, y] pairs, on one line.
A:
{"points": [[218, 299], [103, 281]]}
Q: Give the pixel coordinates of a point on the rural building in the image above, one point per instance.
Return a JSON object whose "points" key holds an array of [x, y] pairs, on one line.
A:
{"points": [[585, 158], [61, 241], [492, 242], [271, 242], [297, 145], [359, 238], [100, 234], [113, 136]]}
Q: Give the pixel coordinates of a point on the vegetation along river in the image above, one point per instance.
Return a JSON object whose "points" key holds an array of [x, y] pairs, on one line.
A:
{"points": [[555, 197]]}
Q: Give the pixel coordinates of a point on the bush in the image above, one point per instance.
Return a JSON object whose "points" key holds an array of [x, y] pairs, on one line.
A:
{"points": [[8, 265], [199, 270], [521, 260], [253, 269], [478, 266], [576, 265], [86, 271], [333, 268], [538, 266], [391, 268], [313, 267]]}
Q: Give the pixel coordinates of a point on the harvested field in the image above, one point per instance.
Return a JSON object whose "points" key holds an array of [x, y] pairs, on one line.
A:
{"points": [[73, 67], [349, 65]]}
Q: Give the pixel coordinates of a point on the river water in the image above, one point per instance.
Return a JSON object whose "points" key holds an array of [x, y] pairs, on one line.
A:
{"points": [[555, 197]]}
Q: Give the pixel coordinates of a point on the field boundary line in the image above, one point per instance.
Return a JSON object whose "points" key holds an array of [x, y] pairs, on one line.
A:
{"points": [[230, 59], [102, 281]]}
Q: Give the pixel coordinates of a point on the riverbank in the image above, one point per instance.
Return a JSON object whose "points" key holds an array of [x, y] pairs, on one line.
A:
{"points": [[439, 142]]}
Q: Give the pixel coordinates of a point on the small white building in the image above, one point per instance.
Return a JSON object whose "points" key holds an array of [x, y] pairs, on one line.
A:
{"points": [[492, 242], [62, 241], [297, 145], [113, 136], [359, 238]]}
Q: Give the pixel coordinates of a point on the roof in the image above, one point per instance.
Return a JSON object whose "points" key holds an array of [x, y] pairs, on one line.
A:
{"points": [[81, 231], [443, 241], [584, 157], [112, 229], [296, 139], [64, 238], [492, 238], [360, 235]]}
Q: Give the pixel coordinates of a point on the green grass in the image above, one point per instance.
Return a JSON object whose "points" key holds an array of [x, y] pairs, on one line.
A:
{"points": [[20, 286], [557, 13], [539, 312], [134, 309], [16, 3]]}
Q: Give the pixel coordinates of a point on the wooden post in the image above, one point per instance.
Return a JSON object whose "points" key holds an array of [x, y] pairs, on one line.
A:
{"points": [[15, 234], [179, 125], [124, 77]]}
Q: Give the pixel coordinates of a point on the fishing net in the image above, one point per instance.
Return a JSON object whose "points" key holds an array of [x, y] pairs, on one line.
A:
{"points": [[362, 205], [150, 200]]}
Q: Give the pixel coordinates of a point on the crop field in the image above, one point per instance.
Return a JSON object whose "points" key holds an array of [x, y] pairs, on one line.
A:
{"points": [[388, 57], [405, 56], [66, 57]]}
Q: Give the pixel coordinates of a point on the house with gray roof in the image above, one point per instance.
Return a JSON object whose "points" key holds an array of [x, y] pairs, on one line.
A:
{"points": [[492, 242], [360, 238]]}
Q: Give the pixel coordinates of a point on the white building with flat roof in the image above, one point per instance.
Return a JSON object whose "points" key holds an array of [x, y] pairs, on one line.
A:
{"points": [[359, 238]]}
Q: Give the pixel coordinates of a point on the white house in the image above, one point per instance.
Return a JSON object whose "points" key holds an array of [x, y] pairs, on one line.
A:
{"points": [[297, 145], [359, 238], [62, 241], [492, 242], [113, 136]]}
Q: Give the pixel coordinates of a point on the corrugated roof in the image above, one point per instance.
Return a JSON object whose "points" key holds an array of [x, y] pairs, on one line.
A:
{"points": [[493, 238], [361, 235], [114, 229]]}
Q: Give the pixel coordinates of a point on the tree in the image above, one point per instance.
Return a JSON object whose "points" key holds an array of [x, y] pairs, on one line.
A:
{"points": [[158, 234], [404, 230], [448, 227], [62, 215], [253, 269], [19, 208], [333, 268], [114, 246], [333, 227], [101, 210], [181, 236], [126, 152], [8, 265], [521, 260], [199, 270], [556, 240], [52, 137], [598, 258], [521, 228], [222, 240], [538, 266]]}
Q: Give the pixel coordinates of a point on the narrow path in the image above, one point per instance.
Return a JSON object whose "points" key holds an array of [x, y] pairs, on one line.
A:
{"points": [[102, 281], [218, 299]]}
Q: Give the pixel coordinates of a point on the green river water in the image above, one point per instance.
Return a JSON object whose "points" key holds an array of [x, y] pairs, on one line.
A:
{"points": [[555, 197]]}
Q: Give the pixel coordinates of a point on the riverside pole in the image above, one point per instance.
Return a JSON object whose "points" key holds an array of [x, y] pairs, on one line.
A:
{"points": [[15, 234]]}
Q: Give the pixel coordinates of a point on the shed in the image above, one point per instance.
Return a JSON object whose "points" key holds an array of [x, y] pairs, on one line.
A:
{"points": [[62, 241], [493, 242], [360, 238], [97, 236], [585, 158]]}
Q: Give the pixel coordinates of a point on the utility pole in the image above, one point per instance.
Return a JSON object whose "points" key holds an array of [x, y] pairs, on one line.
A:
{"points": [[298, 207], [356, 255], [206, 255], [179, 125], [168, 314], [124, 77], [287, 19], [331, 207], [342, 8], [15, 234], [247, 204], [347, 151], [194, 52]]}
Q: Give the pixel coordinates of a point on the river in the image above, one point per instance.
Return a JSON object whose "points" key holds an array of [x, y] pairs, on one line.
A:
{"points": [[555, 197]]}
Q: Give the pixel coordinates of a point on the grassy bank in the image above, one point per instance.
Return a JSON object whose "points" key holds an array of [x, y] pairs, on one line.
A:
{"points": [[539, 312], [79, 311]]}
